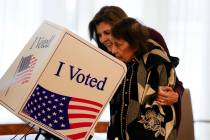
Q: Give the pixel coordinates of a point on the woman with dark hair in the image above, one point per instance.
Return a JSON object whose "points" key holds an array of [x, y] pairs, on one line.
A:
{"points": [[105, 18], [135, 112], [100, 30]]}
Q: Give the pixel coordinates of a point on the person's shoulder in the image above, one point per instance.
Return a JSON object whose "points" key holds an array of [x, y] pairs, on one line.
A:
{"points": [[156, 35], [153, 32], [155, 55]]}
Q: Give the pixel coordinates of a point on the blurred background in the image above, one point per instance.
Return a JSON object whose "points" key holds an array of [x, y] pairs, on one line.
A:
{"points": [[183, 24]]}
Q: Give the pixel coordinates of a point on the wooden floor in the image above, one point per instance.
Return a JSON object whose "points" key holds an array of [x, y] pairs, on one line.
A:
{"points": [[14, 129]]}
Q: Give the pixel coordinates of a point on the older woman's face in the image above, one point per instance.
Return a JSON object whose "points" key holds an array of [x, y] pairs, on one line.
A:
{"points": [[122, 50], [103, 31]]}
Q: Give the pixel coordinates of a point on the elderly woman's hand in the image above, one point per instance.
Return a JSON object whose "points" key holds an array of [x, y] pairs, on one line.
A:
{"points": [[167, 96]]}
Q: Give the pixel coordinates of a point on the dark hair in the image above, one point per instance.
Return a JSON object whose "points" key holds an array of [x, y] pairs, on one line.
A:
{"points": [[108, 14], [130, 30]]}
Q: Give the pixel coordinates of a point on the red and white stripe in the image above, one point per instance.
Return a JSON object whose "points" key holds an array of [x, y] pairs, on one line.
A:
{"points": [[82, 113], [25, 75]]}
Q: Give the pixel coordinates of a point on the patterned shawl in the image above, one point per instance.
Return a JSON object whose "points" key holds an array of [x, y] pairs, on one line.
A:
{"points": [[155, 70]]}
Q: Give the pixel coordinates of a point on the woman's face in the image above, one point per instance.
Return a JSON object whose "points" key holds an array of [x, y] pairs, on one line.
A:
{"points": [[103, 31], [122, 50]]}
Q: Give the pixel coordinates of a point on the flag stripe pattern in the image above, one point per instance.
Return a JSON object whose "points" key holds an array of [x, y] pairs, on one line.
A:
{"points": [[87, 101], [82, 116], [77, 136], [25, 69], [83, 108], [71, 116], [82, 124]]}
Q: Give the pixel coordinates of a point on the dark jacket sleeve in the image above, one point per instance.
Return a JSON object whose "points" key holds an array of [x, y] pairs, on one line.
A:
{"points": [[155, 35], [179, 87], [180, 90]]}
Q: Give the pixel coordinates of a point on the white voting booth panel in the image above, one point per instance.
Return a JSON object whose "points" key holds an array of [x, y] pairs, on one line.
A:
{"points": [[61, 82]]}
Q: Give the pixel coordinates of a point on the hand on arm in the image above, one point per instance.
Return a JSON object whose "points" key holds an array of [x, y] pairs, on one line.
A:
{"points": [[167, 96]]}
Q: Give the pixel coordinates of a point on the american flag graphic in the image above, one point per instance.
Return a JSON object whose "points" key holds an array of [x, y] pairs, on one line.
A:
{"points": [[71, 116], [25, 69]]}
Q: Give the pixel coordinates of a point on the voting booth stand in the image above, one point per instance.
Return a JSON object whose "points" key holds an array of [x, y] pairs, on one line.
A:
{"points": [[60, 82]]}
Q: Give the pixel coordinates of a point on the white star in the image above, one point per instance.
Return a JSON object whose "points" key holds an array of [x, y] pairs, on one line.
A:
{"points": [[54, 114], [43, 104], [49, 102], [37, 93], [39, 114], [54, 107], [48, 116], [56, 100], [64, 98], [43, 92], [44, 119], [48, 109], [55, 121], [50, 125], [45, 97], [39, 106], [61, 118], [61, 104], [60, 111], [52, 95], [40, 98], [43, 111], [62, 125], [37, 88]]}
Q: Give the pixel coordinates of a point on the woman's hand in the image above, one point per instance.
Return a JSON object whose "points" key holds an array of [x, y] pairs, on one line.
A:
{"points": [[167, 96]]}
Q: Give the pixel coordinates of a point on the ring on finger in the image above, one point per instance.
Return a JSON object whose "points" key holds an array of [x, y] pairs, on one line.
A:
{"points": [[162, 101]]}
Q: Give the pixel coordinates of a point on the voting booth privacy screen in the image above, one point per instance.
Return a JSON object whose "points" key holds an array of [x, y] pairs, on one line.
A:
{"points": [[61, 82]]}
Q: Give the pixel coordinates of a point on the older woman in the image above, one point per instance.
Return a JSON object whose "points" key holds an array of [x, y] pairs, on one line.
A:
{"points": [[136, 114]]}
